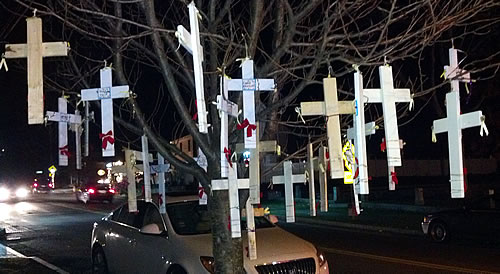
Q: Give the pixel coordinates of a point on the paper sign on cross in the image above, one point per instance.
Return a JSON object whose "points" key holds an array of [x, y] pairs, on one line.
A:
{"points": [[288, 179], [249, 85], [331, 108], [34, 50], [454, 123], [260, 147], [191, 42], [63, 119], [106, 93], [388, 96]]}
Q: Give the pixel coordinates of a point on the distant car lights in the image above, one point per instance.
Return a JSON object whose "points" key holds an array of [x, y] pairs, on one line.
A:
{"points": [[4, 194], [21, 192]]}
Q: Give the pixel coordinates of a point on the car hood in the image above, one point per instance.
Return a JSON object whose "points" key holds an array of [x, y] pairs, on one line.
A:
{"points": [[273, 245]]}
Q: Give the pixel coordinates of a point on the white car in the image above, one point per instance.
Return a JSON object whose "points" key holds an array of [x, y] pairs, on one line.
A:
{"points": [[180, 242]]}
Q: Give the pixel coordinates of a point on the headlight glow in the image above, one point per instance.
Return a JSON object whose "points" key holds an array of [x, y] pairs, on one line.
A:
{"points": [[4, 194], [21, 192]]}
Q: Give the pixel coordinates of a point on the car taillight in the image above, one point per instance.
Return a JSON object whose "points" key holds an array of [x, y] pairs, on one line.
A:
{"points": [[111, 190], [35, 185], [51, 185], [91, 190]]}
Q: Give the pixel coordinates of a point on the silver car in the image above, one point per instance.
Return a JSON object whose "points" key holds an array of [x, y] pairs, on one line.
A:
{"points": [[180, 242]]}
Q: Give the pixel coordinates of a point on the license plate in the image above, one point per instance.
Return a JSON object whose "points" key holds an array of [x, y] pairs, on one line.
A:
{"points": [[102, 191]]}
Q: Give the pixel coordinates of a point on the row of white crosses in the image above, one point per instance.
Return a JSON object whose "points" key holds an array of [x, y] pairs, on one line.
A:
{"points": [[455, 122]]}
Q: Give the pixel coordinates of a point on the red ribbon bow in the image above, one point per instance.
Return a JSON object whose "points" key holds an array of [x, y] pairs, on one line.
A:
{"points": [[394, 177], [250, 127], [327, 155], [160, 199], [227, 152], [195, 116], [382, 145], [64, 150], [107, 138], [201, 192]]}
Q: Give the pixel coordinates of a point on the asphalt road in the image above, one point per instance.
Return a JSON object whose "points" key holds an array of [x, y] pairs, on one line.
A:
{"points": [[56, 229]]}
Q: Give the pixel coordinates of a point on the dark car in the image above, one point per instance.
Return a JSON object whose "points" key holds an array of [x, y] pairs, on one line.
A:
{"points": [[42, 186], [477, 219], [95, 192]]}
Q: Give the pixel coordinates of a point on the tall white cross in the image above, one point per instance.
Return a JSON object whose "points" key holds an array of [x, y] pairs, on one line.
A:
{"points": [[77, 128], [388, 96], [260, 147], [361, 161], [63, 119], [146, 168], [288, 179], [249, 85], [160, 169], [34, 50], [131, 158], [331, 108], [225, 108], [191, 42], [454, 123], [310, 172], [106, 93]]}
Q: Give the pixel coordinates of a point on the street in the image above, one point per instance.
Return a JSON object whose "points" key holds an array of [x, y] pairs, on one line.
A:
{"points": [[57, 229]]}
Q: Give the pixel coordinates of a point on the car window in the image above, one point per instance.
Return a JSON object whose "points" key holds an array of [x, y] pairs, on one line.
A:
{"points": [[132, 218], [153, 216], [189, 218]]}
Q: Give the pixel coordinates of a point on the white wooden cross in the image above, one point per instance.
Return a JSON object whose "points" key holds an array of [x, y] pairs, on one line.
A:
{"points": [[225, 108], [106, 93], [388, 96], [288, 179], [249, 85], [191, 42], [310, 174], [63, 119], [361, 160], [454, 123], [331, 108], [260, 147], [131, 158], [160, 169], [77, 128], [34, 50]]}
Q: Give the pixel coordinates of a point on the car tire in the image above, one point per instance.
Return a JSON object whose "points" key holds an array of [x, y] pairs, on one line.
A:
{"points": [[438, 232], [99, 263], [175, 269]]}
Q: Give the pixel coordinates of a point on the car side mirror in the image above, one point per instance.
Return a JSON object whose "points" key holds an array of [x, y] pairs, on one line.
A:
{"points": [[152, 229]]}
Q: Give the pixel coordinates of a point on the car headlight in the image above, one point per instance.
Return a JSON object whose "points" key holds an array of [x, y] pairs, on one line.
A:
{"points": [[21, 192], [321, 258], [427, 218], [208, 263], [4, 194]]}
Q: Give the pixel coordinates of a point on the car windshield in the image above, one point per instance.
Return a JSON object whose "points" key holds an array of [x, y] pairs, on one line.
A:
{"points": [[190, 218]]}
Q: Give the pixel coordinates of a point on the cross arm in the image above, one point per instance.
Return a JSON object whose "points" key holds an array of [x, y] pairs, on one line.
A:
{"points": [[370, 129], [63, 117], [92, 94], [373, 95], [440, 125], [260, 84], [49, 49], [472, 119], [184, 38], [264, 146], [222, 184], [319, 108], [297, 178]]}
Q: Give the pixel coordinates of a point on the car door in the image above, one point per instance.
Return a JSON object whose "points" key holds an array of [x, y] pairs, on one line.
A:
{"points": [[122, 240], [151, 252]]}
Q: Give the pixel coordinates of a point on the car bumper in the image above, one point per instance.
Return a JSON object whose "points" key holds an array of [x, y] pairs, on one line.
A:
{"points": [[425, 227]]}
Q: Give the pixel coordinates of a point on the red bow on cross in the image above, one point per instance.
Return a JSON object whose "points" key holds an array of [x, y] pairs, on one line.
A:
{"points": [[250, 127], [227, 152], [201, 192], [465, 179], [195, 116], [382, 145], [327, 155], [160, 199], [64, 150], [394, 177], [107, 138]]}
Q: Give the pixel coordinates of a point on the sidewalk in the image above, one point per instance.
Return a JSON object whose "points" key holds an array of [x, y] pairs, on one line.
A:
{"points": [[380, 217]]}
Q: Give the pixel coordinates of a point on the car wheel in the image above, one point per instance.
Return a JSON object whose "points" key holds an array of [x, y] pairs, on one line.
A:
{"points": [[175, 269], [99, 264], [438, 232]]}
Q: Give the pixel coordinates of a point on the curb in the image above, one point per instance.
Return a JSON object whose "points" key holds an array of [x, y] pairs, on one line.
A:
{"points": [[381, 229]]}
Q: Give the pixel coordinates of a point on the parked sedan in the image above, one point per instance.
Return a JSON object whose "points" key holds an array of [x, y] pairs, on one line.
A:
{"points": [[478, 219], [95, 192], [180, 242]]}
